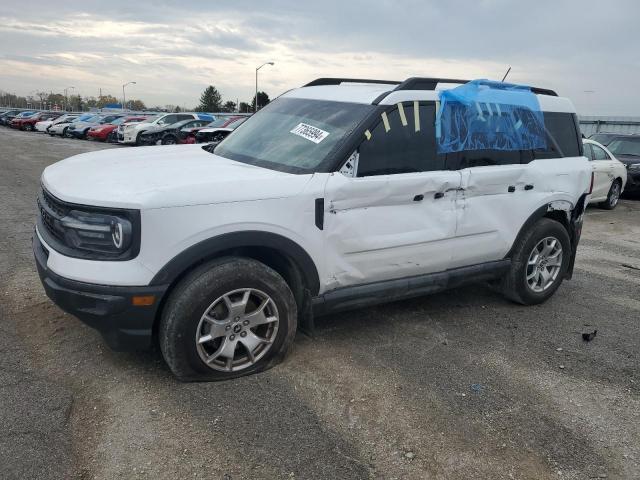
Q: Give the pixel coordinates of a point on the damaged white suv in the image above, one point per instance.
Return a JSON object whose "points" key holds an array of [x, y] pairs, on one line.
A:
{"points": [[337, 195]]}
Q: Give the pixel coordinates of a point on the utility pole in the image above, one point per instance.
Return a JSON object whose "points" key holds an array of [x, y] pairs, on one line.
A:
{"points": [[255, 109]]}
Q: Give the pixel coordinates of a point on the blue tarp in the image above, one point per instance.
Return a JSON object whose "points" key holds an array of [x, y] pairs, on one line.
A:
{"points": [[488, 115]]}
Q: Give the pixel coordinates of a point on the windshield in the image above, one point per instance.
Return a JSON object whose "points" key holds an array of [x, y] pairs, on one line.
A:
{"points": [[293, 134], [218, 122], [625, 146]]}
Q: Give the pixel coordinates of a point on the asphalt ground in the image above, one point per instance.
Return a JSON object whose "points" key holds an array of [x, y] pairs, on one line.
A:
{"points": [[458, 385]]}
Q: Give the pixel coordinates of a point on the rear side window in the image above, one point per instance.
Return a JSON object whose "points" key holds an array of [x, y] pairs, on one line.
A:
{"points": [[599, 153], [587, 151], [564, 138], [402, 141]]}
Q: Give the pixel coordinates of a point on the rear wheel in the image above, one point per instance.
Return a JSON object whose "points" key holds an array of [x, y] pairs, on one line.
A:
{"points": [[539, 262], [228, 318], [65, 133], [613, 196]]}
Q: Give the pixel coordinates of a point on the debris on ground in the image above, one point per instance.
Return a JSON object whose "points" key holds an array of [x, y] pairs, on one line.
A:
{"points": [[588, 335]]}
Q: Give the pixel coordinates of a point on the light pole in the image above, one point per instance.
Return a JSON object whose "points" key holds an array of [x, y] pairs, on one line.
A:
{"points": [[124, 99], [66, 98], [255, 109]]}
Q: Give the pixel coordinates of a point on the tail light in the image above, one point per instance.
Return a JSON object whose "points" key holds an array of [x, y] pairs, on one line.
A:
{"points": [[593, 175]]}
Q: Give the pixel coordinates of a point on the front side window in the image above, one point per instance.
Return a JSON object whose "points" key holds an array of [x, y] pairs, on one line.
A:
{"points": [[294, 135], [403, 141], [168, 120]]}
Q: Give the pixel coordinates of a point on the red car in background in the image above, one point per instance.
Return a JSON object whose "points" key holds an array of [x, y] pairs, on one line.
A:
{"points": [[107, 132], [29, 123]]}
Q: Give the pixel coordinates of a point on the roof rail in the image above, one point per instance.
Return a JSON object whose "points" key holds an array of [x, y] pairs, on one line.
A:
{"points": [[338, 81], [420, 83]]}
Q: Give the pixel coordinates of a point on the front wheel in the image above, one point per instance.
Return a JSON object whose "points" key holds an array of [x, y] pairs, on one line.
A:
{"points": [[613, 196], [169, 140], [539, 263], [228, 318]]}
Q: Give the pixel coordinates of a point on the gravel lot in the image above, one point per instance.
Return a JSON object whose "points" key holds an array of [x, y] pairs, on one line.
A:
{"points": [[462, 384]]}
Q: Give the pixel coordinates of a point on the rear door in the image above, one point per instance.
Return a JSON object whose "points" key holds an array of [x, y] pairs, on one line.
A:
{"points": [[396, 217], [603, 172]]}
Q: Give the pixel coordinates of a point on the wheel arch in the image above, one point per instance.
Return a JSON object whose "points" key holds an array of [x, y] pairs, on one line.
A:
{"points": [[559, 210], [282, 254]]}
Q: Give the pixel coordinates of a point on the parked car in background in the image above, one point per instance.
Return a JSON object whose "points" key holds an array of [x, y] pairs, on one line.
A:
{"points": [[170, 134], [62, 128], [603, 138], [609, 175], [131, 134], [43, 125], [107, 132], [80, 129], [6, 117], [217, 134], [29, 123], [17, 120], [627, 149]]}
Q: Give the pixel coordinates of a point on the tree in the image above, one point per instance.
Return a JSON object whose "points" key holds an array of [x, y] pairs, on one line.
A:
{"points": [[245, 108], [229, 106], [106, 100], [263, 99], [136, 105], [177, 109], [210, 100]]}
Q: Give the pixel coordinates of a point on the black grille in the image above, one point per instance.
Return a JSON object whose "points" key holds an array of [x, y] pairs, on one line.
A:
{"points": [[51, 212]]}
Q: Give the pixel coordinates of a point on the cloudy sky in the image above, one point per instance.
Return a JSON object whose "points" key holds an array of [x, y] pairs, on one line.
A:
{"points": [[586, 50]]}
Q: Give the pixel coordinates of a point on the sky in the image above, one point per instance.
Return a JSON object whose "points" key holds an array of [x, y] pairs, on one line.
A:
{"points": [[586, 50]]}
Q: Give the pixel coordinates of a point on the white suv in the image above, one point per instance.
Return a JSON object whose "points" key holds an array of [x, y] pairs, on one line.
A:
{"points": [[335, 196], [130, 132]]}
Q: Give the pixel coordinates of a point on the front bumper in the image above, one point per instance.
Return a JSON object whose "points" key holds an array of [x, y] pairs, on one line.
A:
{"points": [[108, 309]]}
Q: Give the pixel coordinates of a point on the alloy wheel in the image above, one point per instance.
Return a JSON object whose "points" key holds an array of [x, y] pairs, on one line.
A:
{"points": [[237, 330], [614, 195], [544, 264]]}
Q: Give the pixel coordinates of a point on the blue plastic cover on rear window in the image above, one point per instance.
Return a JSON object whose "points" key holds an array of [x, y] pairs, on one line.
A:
{"points": [[488, 115]]}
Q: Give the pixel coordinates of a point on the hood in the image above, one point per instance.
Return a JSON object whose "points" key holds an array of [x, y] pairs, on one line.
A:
{"points": [[168, 176]]}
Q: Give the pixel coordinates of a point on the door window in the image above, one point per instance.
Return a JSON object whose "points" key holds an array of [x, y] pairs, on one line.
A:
{"points": [[599, 153], [587, 151], [402, 141], [168, 120]]}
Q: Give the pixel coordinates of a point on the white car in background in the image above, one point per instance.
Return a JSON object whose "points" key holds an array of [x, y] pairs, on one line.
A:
{"points": [[44, 125], [609, 175], [130, 133]]}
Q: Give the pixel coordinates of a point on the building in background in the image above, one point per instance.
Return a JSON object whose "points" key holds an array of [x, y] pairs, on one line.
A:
{"points": [[596, 124]]}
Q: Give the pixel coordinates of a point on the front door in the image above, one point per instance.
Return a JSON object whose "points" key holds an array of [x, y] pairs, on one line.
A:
{"points": [[393, 214]]}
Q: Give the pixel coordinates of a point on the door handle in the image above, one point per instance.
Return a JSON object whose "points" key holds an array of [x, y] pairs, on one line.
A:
{"points": [[418, 198], [528, 187], [438, 195]]}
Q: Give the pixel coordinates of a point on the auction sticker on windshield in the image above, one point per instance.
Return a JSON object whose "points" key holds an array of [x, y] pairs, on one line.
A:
{"points": [[315, 134]]}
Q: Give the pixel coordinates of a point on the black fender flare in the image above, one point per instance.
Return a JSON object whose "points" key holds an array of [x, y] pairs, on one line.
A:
{"points": [[210, 247]]}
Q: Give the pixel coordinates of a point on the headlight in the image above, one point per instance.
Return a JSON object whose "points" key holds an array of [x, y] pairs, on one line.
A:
{"points": [[88, 232], [97, 232]]}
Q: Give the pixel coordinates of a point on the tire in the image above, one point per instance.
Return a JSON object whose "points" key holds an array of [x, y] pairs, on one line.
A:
{"points": [[139, 139], [64, 133], [202, 292], [169, 140], [516, 285], [613, 196]]}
